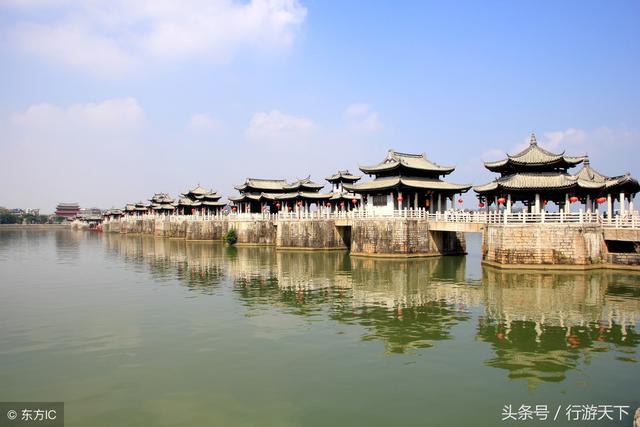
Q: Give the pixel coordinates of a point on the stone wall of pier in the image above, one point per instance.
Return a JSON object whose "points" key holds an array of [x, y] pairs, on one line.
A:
{"points": [[544, 245], [206, 230], [258, 232], [317, 234], [403, 237]]}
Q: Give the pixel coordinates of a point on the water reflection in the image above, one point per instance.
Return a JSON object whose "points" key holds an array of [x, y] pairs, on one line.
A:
{"points": [[538, 325]]}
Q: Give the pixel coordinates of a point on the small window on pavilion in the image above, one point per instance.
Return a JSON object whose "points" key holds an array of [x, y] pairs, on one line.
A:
{"points": [[380, 200]]}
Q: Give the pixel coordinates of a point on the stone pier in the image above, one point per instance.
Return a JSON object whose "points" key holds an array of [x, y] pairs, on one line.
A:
{"points": [[544, 245], [254, 232], [316, 234], [404, 238]]}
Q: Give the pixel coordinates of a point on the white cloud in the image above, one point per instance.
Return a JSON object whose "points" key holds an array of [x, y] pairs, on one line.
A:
{"points": [[565, 139], [277, 126], [203, 123], [110, 116], [79, 152], [361, 117], [112, 37]]}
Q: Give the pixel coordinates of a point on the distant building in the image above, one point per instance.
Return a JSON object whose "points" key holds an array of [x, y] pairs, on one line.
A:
{"points": [[67, 210]]}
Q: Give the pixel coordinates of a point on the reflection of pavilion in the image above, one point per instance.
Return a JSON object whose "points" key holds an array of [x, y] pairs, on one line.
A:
{"points": [[200, 265], [540, 325]]}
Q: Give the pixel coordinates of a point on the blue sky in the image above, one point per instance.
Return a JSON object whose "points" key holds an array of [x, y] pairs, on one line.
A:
{"points": [[106, 102]]}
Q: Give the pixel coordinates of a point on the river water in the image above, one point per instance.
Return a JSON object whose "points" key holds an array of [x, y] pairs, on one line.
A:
{"points": [[139, 331]]}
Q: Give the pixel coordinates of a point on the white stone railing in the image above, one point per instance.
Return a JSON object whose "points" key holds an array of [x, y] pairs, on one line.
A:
{"points": [[629, 220]]}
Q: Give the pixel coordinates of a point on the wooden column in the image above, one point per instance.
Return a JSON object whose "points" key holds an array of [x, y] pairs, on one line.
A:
{"points": [[439, 202], [509, 203], [609, 207], [537, 205], [622, 204]]}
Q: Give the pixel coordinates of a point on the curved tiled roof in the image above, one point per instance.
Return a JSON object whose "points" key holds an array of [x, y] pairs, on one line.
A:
{"points": [[395, 160], [534, 155], [538, 181], [344, 175], [303, 183], [262, 184], [411, 182]]}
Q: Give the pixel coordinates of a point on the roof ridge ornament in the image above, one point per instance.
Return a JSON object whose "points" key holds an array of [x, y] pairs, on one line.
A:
{"points": [[532, 139]]}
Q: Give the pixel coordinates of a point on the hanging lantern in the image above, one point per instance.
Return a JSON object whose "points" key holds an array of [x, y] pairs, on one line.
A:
{"points": [[300, 203], [354, 201], [501, 200], [601, 200], [234, 209], [278, 205], [328, 204], [399, 197], [460, 200], [573, 199], [342, 204], [289, 208], [545, 203], [481, 205]]}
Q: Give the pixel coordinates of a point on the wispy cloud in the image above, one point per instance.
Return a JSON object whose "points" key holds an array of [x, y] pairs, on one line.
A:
{"points": [[276, 126], [109, 38], [203, 123], [361, 117]]}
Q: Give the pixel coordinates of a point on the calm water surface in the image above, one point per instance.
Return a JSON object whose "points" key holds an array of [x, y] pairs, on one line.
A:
{"points": [[137, 331]]}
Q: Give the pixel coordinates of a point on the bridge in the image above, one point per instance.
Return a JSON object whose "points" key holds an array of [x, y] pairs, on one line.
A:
{"points": [[626, 226]]}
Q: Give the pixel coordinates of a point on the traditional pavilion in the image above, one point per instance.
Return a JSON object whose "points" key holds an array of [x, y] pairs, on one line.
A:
{"points": [[136, 209], [536, 176], [162, 203], [624, 187], [407, 181], [113, 213], [340, 197], [200, 200], [272, 195]]}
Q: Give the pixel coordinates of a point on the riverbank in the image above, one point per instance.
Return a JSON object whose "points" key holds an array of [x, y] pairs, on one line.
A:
{"points": [[34, 226]]}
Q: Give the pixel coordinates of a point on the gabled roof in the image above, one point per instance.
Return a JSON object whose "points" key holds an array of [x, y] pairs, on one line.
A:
{"points": [[533, 155], [304, 183], [418, 162], [161, 198], [262, 184], [420, 183], [198, 191], [344, 176]]}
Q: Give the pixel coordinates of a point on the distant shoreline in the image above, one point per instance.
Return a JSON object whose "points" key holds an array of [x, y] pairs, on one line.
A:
{"points": [[34, 226]]}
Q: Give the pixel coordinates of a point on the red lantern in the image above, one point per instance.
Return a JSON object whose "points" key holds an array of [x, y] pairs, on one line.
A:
{"points": [[354, 201], [400, 197], [342, 204], [329, 204], [234, 209], [545, 202], [460, 200], [300, 203], [601, 200], [289, 208], [481, 205], [573, 199], [501, 200], [278, 205]]}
